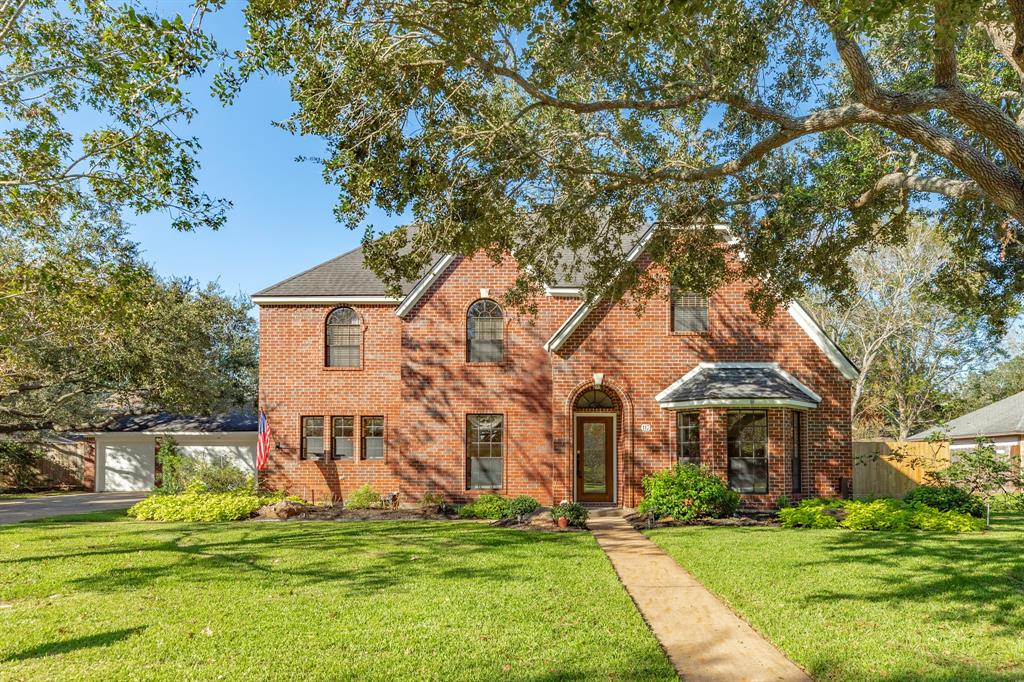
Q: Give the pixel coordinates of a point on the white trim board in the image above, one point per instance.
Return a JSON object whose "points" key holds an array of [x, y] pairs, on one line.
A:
{"points": [[324, 300], [739, 402], [423, 285]]}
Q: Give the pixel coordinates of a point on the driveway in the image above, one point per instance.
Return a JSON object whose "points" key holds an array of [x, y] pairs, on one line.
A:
{"points": [[17, 509]]}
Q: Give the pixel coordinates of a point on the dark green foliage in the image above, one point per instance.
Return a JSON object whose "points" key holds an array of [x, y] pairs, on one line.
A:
{"points": [[487, 506], [172, 478], [946, 498], [102, 333], [17, 462], [522, 506], [545, 125], [364, 497], [686, 492], [574, 511]]}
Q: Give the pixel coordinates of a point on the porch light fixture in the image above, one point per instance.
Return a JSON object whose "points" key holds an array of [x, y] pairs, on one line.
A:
{"points": [[598, 378]]}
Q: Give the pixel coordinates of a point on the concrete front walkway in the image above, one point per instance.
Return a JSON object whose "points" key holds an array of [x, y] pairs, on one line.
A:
{"points": [[15, 509], [704, 639]]}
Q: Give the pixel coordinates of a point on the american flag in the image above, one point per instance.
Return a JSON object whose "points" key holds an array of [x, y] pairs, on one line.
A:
{"points": [[263, 443]]}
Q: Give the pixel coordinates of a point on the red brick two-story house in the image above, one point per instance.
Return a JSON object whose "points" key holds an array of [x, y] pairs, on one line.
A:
{"points": [[443, 390]]}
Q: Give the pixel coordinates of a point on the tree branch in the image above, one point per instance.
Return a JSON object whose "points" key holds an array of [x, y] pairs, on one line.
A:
{"points": [[956, 189]]}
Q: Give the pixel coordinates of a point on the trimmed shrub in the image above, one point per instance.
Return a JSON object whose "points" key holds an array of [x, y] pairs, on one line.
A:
{"points": [[215, 476], [946, 498], [521, 506], [574, 511], [192, 506], [487, 506], [686, 492], [364, 497]]}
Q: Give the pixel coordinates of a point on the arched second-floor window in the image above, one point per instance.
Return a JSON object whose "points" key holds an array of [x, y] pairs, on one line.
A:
{"points": [[342, 338], [485, 332]]}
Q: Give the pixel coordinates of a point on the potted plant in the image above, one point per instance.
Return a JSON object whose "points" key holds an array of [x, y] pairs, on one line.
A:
{"points": [[566, 514]]}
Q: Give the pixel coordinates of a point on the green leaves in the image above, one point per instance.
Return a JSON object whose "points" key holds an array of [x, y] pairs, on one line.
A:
{"points": [[126, 67], [87, 330], [559, 130]]}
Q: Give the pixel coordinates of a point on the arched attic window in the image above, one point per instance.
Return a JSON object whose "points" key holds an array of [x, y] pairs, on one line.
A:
{"points": [[342, 338], [485, 332]]}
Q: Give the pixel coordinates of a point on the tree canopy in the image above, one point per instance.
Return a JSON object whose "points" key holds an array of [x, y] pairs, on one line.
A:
{"points": [[93, 98], [88, 332], [810, 127]]}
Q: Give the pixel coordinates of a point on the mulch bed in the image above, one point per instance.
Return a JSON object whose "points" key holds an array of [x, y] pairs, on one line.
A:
{"points": [[339, 513], [538, 521], [750, 519]]}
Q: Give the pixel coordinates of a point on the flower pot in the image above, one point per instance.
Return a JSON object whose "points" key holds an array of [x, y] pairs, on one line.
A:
{"points": [[563, 522]]}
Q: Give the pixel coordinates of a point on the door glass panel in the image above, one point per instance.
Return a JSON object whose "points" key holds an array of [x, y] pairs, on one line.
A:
{"points": [[595, 477]]}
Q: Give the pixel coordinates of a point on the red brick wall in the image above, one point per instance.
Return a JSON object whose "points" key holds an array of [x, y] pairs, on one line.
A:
{"points": [[294, 383], [415, 373]]}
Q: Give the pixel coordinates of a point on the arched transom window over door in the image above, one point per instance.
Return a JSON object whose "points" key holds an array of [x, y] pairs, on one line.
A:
{"points": [[342, 338], [485, 332], [595, 398]]}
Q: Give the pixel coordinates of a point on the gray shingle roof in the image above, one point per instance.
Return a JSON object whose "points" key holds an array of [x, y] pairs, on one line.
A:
{"points": [[344, 275], [1004, 416], [347, 275], [165, 422], [735, 381]]}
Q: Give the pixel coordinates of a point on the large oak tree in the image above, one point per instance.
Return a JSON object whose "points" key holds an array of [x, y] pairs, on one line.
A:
{"points": [[810, 127]]}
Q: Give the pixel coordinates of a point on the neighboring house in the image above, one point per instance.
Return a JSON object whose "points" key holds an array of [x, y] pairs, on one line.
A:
{"points": [[125, 452], [1001, 422], [444, 390]]}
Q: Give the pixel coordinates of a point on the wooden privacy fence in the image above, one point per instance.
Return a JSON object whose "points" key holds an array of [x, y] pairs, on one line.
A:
{"points": [[892, 468], [60, 464]]}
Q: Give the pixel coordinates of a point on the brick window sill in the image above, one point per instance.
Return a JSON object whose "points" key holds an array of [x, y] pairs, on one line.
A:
{"points": [[343, 369]]}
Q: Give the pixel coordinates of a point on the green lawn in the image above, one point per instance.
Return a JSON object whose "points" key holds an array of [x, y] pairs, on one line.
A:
{"points": [[120, 599], [851, 605]]}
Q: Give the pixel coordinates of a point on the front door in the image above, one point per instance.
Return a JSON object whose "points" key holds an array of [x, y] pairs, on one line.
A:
{"points": [[594, 459]]}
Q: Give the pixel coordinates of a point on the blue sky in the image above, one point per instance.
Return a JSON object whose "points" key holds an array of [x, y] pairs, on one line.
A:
{"points": [[281, 222]]}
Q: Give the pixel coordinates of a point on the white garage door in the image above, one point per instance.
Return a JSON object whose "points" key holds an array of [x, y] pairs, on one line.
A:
{"points": [[128, 466], [237, 451]]}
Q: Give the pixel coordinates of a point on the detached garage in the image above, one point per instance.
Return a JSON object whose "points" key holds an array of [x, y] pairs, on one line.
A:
{"points": [[126, 451]]}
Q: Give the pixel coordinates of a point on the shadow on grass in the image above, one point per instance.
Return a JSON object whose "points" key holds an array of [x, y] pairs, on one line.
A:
{"points": [[74, 644], [976, 576], [359, 558]]}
